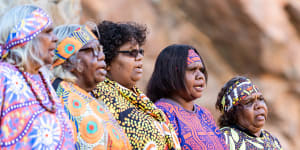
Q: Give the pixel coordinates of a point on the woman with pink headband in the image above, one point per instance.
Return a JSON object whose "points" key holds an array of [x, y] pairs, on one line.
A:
{"points": [[244, 113], [179, 78], [32, 116]]}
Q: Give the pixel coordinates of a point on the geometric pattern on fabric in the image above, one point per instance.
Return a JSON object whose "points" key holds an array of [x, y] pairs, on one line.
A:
{"points": [[195, 129], [25, 124], [145, 125], [25, 31], [93, 124], [237, 139]]}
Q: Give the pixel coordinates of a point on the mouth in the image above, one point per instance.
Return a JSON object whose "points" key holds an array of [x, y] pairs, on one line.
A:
{"points": [[102, 69], [199, 87], [139, 68], [261, 116], [51, 52]]}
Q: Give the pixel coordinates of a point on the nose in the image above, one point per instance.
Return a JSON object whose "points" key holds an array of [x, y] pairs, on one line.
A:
{"points": [[199, 75], [139, 57], [259, 104], [101, 56]]}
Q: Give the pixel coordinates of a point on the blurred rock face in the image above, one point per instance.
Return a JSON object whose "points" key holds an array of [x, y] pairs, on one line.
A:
{"points": [[257, 38]]}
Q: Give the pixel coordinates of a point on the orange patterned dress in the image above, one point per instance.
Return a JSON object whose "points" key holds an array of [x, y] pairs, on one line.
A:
{"points": [[93, 124]]}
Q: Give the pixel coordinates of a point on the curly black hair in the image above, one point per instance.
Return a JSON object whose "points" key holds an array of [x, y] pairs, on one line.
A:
{"points": [[228, 118], [114, 35]]}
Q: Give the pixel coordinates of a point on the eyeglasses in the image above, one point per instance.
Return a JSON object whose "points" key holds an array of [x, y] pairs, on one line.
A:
{"points": [[133, 52], [96, 49]]}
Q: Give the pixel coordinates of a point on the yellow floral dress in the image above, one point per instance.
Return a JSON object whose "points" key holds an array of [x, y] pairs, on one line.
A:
{"points": [[145, 125], [94, 125]]}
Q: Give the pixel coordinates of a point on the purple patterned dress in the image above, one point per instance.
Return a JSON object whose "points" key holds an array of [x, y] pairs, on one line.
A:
{"points": [[195, 129], [24, 123]]}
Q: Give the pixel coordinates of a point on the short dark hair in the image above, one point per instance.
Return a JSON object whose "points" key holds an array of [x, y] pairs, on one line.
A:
{"points": [[114, 35], [169, 72], [228, 118]]}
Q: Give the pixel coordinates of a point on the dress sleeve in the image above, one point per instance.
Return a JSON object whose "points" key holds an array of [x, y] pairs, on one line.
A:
{"points": [[2, 89]]}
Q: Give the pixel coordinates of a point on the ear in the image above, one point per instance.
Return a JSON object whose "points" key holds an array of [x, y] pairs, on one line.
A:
{"points": [[79, 67]]}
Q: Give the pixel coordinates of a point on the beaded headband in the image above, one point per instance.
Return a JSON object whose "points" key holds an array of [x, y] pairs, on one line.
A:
{"points": [[25, 31], [236, 93], [71, 44], [193, 57]]}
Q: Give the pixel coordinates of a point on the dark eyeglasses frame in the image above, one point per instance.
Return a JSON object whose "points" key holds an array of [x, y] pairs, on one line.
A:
{"points": [[133, 52]]}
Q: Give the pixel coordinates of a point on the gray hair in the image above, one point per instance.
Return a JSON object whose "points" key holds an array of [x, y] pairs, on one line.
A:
{"points": [[29, 54], [63, 71]]}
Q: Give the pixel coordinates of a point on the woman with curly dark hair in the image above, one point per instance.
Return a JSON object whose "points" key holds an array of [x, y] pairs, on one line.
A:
{"points": [[244, 113], [178, 79], [145, 125]]}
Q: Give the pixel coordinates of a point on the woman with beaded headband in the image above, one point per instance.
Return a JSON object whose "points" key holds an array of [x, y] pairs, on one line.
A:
{"points": [[78, 66], [244, 113], [178, 79], [145, 125], [31, 114]]}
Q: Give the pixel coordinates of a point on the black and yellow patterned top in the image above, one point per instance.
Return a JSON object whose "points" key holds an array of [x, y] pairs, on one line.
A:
{"points": [[241, 140], [145, 125]]}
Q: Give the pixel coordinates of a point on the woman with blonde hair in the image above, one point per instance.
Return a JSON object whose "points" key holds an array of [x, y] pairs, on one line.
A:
{"points": [[78, 67], [31, 114]]}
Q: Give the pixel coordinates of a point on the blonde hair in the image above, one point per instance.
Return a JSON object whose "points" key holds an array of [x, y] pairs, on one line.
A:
{"points": [[28, 55], [63, 71]]}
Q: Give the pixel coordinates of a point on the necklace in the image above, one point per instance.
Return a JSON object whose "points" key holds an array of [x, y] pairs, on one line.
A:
{"points": [[53, 107]]}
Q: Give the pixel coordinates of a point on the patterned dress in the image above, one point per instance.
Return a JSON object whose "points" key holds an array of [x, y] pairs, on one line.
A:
{"points": [[237, 139], [195, 129], [93, 124], [24, 123], [146, 126]]}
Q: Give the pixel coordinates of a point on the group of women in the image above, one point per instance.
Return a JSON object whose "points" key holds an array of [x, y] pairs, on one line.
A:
{"points": [[74, 87]]}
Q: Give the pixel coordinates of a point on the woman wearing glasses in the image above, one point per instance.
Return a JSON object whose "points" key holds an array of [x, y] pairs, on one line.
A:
{"points": [[32, 116], [78, 66], [146, 126]]}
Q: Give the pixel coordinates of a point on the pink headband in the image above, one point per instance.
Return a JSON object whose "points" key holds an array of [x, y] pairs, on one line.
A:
{"points": [[193, 57], [25, 31]]}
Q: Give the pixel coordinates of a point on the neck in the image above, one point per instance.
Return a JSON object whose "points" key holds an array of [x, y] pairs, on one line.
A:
{"points": [[31, 70], [82, 84], [187, 105], [252, 130]]}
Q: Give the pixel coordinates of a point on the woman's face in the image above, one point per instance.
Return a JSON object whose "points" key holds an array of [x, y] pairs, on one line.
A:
{"points": [[126, 69], [47, 43], [92, 64], [252, 112], [195, 81]]}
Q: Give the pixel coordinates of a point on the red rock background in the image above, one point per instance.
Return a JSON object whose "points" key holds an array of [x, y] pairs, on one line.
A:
{"points": [[257, 38]]}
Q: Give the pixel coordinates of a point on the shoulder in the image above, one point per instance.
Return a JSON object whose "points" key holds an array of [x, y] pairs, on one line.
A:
{"points": [[166, 105], [7, 70], [103, 88], [271, 138]]}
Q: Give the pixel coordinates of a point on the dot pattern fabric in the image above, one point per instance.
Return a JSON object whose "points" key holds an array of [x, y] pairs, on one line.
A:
{"points": [[195, 129], [25, 124], [93, 124], [237, 139], [145, 125]]}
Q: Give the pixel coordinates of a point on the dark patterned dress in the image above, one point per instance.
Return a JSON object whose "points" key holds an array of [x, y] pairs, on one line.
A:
{"points": [[145, 125], [93, 124], [237, 139], [25, 124], [196, 129]]}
